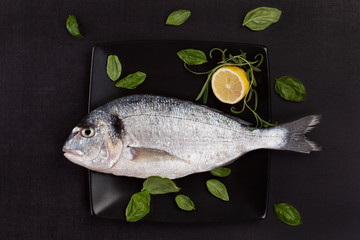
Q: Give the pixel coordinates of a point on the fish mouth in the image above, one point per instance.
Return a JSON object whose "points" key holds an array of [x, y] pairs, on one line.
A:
{"points": [[73, 152]]}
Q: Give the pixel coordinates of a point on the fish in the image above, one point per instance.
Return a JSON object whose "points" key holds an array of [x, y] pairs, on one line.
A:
{"points": [[147, 135]]}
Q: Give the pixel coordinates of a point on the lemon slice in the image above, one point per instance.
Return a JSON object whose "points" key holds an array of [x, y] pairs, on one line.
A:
{"points": [[230, 84]]}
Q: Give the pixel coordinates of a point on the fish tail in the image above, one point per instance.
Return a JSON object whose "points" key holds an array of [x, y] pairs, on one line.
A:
{"points": [[296, 130]]}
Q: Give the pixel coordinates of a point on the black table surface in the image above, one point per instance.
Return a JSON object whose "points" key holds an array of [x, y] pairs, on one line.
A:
{"points": [[44, 80]]}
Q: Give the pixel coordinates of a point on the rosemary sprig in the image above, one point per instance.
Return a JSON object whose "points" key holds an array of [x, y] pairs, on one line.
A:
{"points": [[250, 67]]}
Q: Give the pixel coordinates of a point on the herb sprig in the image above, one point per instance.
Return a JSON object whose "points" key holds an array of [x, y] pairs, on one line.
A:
{"points": [[250, 67], [139, 204]]}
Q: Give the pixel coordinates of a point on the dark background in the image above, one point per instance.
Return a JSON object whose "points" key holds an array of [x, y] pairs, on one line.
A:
{"points": [[44, 77]]}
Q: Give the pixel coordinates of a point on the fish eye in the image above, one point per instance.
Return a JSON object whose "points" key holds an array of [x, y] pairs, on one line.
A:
{"points": [[88, 132]]}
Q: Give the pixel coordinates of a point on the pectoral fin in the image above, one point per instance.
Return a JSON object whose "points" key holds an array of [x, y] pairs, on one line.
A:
{"points": [[150, 154]]}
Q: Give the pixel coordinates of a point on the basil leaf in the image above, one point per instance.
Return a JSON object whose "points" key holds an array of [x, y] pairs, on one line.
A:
{"points": [[158, 185], [73, 27], [184, 202], [262, 17], [192, 56], [221, 172], [217, 189], [131, 81], [113, 67], [138, 207], [178, 17], [287, 214], [290, 89]]}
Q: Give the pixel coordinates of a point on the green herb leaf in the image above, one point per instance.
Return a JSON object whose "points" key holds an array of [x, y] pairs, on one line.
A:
{"points": [[217, 189], [221, 172], [73, 27], [290, 89], [192, 56], [287, 214], [138, 207], [113, 67], [184, 202], [178, 17], [131, 81], [158, 185], [262, 17]]}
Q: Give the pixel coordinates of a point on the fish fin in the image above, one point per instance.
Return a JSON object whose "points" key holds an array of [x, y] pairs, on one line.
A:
{"points": [[151, 154], [296, 140]]}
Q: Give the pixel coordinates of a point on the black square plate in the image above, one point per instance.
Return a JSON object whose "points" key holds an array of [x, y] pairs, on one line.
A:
{"points": [[248, 183]]}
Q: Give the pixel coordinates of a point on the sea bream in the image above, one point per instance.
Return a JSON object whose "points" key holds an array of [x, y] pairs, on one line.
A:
{"points": [[145, 135]]}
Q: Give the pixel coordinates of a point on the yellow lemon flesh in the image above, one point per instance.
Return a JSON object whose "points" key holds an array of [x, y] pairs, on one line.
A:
{"points": [[230, 84]]}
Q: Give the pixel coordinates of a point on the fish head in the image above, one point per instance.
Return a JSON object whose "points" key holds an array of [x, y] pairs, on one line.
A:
{"points": [[95, 143]]}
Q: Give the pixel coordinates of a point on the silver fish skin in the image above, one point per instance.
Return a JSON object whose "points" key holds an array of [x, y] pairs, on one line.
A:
{"points": [[145, 135]]}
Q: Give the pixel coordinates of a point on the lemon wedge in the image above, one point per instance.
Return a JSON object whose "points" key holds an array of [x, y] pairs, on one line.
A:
{"points": [[230, 84]]}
